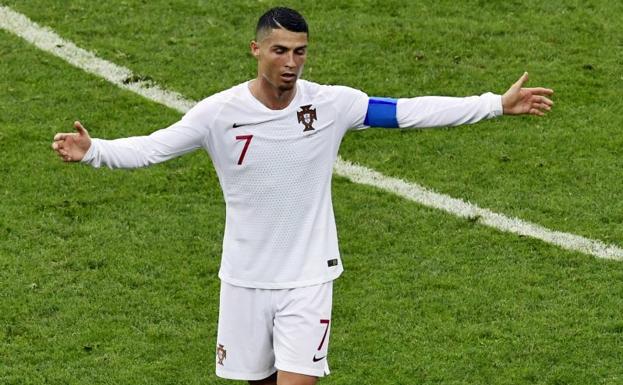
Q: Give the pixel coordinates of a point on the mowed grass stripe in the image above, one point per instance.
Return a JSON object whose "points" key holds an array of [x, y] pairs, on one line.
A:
{"points": [[47, 40]]}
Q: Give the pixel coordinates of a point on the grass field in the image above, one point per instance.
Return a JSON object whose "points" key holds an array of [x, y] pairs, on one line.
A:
{"points": [[109, 277]]}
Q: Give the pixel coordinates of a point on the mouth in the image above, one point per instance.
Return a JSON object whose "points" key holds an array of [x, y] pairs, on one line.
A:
{"points": [[288, 76]]}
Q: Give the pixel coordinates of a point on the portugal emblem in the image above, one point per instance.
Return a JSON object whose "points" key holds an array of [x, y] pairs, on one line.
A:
{"points": [[221, 354], [307, 116]]}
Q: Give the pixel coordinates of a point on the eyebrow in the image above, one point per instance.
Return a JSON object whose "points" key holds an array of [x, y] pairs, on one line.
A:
{"points": [[287, 48]]}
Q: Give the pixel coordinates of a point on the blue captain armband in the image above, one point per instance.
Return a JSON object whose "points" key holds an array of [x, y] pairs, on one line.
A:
{"points": [[381, 113]]}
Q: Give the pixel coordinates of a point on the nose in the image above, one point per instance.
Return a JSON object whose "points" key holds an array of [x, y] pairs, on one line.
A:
{"points": [[290, 63]]}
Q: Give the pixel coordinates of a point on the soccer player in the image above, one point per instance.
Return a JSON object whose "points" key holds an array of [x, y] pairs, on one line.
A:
{"points": [[273, 141]]}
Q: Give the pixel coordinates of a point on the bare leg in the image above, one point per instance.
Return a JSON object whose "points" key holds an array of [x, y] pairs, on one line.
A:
{"points": [[272, 380], [288, 378]]}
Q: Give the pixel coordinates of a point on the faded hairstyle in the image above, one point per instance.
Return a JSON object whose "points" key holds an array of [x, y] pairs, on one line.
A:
{"points": [[280, 18]]}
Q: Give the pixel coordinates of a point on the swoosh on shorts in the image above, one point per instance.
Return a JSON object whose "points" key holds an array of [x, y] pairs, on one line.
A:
{"points": [[318, 359]]}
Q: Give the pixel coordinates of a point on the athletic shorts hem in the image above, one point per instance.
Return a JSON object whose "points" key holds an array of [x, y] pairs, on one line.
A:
{"points": [[300, 370], [330, 276], [230, 375]]}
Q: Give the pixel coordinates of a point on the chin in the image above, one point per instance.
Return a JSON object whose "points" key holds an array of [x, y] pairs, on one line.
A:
{"points": [[287, 87]]}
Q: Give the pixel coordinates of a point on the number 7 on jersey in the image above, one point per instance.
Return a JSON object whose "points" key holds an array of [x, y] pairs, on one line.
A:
{"points": [[247, 138]]}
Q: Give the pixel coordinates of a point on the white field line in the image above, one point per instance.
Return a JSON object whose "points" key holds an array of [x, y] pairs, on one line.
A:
{"points": [[47, 40], [460, 208]]}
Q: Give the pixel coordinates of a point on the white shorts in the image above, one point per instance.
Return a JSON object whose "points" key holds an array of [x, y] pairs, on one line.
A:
{"points": [[261, 331]]}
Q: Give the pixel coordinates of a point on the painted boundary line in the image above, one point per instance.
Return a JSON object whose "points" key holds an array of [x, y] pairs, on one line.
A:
{"points": [[460, 208], [47, 40]]}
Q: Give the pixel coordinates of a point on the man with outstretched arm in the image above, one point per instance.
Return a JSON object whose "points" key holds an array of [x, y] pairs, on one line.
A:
{"points": [[273, 141]]}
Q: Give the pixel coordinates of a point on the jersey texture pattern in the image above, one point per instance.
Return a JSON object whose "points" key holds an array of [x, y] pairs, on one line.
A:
{"points": [[275, 168]]}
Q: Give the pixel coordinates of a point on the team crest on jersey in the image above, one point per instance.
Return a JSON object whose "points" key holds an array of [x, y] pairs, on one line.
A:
{"points": [[307, 115], [221, 354]]}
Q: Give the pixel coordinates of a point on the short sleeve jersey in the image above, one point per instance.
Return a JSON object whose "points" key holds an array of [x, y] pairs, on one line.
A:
{"points": [[275, 169]]}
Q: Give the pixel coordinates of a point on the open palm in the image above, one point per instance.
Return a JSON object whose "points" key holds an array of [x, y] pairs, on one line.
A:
{"points": [[72, 147], [534, 101]]}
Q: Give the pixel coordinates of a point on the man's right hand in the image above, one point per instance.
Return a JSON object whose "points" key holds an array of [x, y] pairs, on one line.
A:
{"points": [[72, 147]]}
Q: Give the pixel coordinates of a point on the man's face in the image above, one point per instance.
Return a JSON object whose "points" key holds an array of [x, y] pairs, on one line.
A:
{"points": [[281, 55]]}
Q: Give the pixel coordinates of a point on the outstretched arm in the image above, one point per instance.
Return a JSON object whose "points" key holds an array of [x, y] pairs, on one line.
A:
{"points": [[440, 111], [138, 151]]}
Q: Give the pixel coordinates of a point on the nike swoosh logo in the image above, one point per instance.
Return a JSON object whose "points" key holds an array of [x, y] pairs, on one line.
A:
{"points": [[236, 125], [318, 359]]}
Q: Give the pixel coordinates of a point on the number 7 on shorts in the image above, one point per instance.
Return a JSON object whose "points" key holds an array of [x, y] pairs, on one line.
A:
{"points": [[326, 322]]}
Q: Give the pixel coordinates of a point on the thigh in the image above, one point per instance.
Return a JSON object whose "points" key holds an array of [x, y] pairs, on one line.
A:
{"points": [[302, 328], [244, 348]]}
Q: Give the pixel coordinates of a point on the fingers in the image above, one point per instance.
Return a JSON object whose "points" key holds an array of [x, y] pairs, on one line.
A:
{"points": [[65, 157], [542, 107], [63, 154], [65, 143], [58, 147], [539, 105], [61, 136], [540, 91], [545, 107], [519, 83], [542, 100], [536, 111], [539, 108], [59, 144], [535, 101], [80, 128], [64, 135], [61, 151]]}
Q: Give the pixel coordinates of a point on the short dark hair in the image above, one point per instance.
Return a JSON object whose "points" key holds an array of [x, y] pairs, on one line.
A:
{"points": [[281, 17]]}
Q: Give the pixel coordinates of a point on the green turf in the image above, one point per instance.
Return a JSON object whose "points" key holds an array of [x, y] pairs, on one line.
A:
{"points": [[109, 277]]}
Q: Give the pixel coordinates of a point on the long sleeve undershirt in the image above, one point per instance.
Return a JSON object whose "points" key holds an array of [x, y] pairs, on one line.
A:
{"points": [[186, 135], [275, 169], [442, 111]]}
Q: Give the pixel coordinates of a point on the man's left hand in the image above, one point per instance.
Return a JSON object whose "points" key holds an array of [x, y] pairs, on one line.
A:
{"points": [[534, 101]]}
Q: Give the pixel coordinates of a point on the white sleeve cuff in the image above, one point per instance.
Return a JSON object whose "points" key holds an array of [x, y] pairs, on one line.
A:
{"points": [[91, 153], [496, 105]]}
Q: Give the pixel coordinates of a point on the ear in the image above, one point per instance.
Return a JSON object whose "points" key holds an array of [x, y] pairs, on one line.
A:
{"points": [[255, 49]]}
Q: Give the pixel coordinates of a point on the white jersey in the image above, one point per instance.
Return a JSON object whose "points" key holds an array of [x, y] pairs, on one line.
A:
{"points": [[275, 167]]}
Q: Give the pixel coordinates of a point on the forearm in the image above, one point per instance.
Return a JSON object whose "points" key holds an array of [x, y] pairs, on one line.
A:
{"points": [[440, 111], [141, 151]]}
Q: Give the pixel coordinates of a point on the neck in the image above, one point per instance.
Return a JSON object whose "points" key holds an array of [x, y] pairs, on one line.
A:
{"points": [[271, 96]]}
